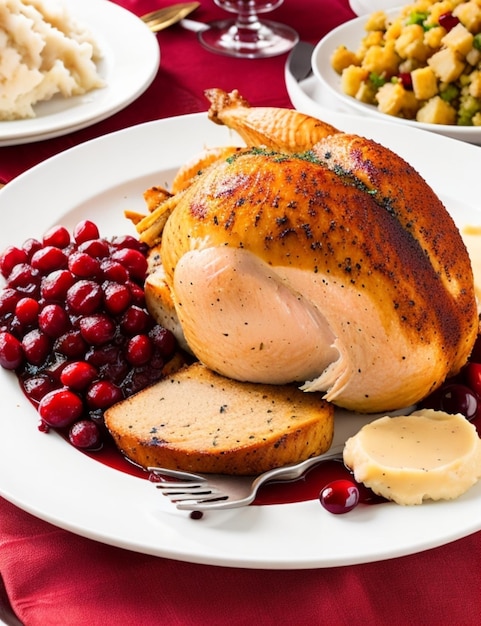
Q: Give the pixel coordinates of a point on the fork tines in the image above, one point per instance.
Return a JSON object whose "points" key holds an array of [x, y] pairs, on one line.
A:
{"points": [[199, 491]]}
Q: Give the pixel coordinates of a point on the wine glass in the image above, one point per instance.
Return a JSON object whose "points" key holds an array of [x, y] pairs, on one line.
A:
{"points": [[247, 36]]}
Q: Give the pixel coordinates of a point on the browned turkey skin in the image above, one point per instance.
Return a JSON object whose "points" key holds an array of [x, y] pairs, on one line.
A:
{"points": [[338, 268]]}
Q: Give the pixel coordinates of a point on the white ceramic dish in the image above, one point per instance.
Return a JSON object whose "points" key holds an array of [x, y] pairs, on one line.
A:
{"points": [[350, 35], [44, 475], [130, 62], [364, 7]]}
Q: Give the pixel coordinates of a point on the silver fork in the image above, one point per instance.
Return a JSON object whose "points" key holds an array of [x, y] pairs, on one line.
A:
{"points": [[206, 492]]}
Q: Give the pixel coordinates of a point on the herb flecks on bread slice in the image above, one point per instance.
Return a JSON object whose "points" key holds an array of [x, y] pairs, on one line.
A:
{"points": [[197, 420]]}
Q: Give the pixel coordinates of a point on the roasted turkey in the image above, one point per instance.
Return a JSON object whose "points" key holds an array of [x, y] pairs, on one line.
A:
{"points": [[312, 256]]}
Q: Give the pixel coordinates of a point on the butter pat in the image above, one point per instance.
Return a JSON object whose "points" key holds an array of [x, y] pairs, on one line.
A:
{"points": [[428, 455]]}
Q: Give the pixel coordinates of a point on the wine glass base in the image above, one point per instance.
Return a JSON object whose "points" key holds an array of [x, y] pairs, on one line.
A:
{"points": [[269, 39]]}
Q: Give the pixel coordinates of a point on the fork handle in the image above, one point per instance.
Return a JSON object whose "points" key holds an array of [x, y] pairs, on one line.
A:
{"points": [[289, 472], [296, 471]]}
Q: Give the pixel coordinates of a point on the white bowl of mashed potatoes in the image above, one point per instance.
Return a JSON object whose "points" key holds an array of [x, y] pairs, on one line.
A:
{"points": [[44, 51]]}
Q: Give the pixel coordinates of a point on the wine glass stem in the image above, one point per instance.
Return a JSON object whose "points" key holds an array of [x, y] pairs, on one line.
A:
{"points": [[247, 25]]}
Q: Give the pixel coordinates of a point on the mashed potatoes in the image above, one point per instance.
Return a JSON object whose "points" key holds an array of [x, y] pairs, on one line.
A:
{"points": [[43, 52]]}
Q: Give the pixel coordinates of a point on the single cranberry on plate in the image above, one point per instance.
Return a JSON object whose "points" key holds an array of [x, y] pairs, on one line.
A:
{"points": [[339, 496]]}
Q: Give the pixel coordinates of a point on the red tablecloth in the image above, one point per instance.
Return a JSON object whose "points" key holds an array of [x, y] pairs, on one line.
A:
{"points": [[50, 576]]}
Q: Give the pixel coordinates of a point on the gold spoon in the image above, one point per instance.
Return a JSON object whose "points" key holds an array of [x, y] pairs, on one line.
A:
{"points": [[163, 18]]}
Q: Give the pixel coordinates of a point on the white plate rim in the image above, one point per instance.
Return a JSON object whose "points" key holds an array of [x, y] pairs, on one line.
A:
{"points": [[350, 34], [62, 486], [128, 70]]}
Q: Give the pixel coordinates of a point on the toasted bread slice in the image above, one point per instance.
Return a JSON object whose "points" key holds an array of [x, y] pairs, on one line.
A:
{"points": [[197, 420]]}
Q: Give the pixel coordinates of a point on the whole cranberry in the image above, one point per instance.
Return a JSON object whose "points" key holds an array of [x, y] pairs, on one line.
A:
{"points": [[103, 394], [339, 496], [163, 340], [472, 374], [84, 231], [128, 241], [60, 408], [27, 310], [137, 292], [114, 271], [83, 265], [11, 351], [134, 321], [97, 248], [139, 350], [456, 398], [10, 257], [71, 344], [78, 375], [48, 259], [36, 387], [117, 297], [54, 286], [36, 346], [133, 260], [23, 276], [85, 435], [97, 329], [56, 236], [84, 297], [30, 246], [53, 320], [8, 300]]}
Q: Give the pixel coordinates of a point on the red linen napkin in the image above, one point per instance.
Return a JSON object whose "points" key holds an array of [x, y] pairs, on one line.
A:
{"points": [[54, 577]]}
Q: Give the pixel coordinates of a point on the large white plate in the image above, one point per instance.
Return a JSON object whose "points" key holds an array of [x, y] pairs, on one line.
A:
{"points": [[130, 62], [350, 35], [47, 477]]}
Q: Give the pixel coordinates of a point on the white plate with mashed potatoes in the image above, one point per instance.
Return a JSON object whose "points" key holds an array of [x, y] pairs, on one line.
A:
{"points": [[67, 488], [65, 66], [350, 35]]}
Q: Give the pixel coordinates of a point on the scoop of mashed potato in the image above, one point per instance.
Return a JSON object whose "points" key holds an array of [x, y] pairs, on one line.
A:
{"points": [[43, 52]]}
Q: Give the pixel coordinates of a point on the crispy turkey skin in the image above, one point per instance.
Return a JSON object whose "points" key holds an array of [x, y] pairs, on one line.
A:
{"points": [[338, 268]]}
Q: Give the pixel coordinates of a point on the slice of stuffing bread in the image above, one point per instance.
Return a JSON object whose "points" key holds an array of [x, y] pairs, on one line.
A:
{"points": [[199, 421]]}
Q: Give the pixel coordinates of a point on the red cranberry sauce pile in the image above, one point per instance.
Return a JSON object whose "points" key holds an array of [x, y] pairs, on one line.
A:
{"points": [[74, 327]]}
